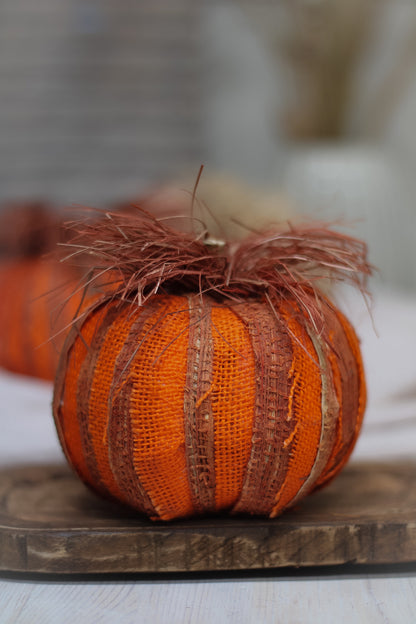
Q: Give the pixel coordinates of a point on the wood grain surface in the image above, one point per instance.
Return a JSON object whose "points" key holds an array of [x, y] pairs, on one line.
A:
{"points": [[50, 523]]}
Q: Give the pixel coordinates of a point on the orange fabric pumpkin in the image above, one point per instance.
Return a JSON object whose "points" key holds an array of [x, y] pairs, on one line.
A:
{"points": [[32, 314], [194, 402], [36, 309], [37, 303]]}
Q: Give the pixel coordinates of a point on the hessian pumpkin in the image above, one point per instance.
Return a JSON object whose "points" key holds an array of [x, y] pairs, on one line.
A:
{"points": [[36, 303], [218, 377]]}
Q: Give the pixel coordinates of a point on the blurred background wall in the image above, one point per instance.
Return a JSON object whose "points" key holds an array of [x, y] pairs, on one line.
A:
{"points": [[97, 98], [314, 99], [318, 97]]}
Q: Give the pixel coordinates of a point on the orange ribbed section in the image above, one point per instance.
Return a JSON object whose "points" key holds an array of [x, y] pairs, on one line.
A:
{"points": [[305, 410], [102, 380], [158, 372], [39, 329], [12, 316], [66, 396], [233, 398]]}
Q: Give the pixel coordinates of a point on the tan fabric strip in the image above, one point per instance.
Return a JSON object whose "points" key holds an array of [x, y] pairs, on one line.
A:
{"points": [[349, 377], [350, 380], [198, 415]]}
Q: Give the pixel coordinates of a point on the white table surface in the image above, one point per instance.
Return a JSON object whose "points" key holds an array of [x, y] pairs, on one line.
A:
{"points": [[384, 594]]}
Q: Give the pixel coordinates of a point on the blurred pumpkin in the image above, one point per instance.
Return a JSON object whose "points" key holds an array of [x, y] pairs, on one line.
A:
{"points": [[36, 308], [217, 378], [36, 305]]}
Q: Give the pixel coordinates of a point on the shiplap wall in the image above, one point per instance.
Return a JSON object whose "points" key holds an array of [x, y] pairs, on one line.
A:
{"points": [[97, 98]]}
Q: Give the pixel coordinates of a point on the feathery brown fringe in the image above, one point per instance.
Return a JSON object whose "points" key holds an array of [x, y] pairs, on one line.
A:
{"points": [[141, 255]]}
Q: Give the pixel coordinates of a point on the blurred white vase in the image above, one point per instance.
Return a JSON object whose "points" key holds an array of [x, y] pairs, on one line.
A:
{"points": [[366, 186]]}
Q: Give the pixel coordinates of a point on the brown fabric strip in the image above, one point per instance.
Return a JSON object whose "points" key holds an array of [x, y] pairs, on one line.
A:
{"points": [[121, 435], [269, 460], [330, 414], [121, 449], [349, 376], [63, 418], [58, 394], [84, 386], [198, 414], [350, 380]]}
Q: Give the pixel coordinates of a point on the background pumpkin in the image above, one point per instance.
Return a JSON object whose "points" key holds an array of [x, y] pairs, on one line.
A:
{"points": [[36, 303], [36, 306], [195, 403]]}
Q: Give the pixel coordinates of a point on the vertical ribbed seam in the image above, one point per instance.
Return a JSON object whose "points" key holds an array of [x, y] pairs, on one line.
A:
{"points": [[352, 390], [58, 402], [120, 431], [272, 424], [330, 413], [198, 413], [84, 387]]}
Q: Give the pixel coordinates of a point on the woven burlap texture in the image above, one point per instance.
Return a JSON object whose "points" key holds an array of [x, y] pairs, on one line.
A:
{"points": [[188, 406]]}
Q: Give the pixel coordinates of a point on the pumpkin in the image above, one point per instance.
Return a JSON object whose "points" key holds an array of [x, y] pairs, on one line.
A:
{"points": [[218, 378], [36, 305]]}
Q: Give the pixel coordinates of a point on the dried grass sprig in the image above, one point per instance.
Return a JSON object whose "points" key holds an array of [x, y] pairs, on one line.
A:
{"points": [[143, 255]]}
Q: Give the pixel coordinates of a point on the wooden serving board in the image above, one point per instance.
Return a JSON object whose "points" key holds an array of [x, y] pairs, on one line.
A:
{"points": [[50, 523]]}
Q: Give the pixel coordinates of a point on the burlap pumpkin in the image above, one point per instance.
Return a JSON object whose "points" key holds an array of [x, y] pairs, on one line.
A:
{"points": [[241, 398], [36, 308], [36, 305]]}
